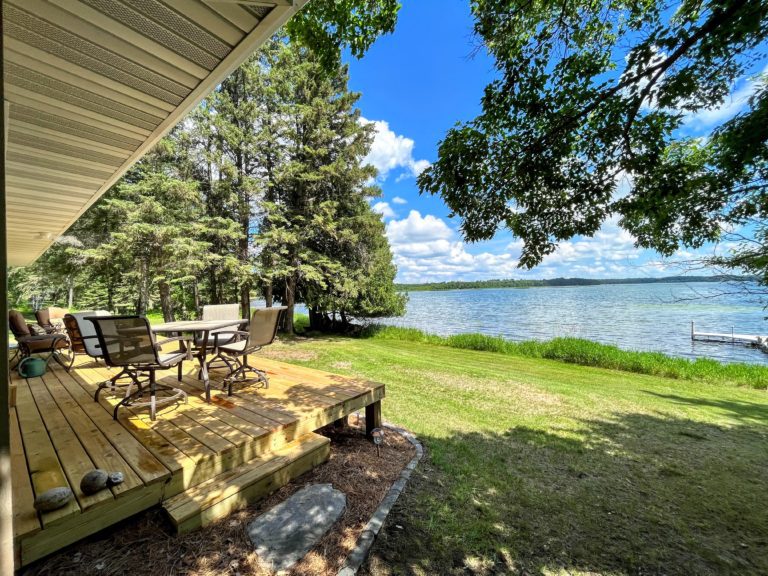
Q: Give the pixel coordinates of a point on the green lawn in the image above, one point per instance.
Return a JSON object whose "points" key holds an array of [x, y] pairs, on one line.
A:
{"points": [[540, 467]]}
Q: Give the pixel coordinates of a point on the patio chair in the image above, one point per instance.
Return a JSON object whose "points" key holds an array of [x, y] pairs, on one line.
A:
{"points": [[55, 345], [83, 340], [82, 333], [128, 342], [221, 336], [51, 319], [261, 332]]}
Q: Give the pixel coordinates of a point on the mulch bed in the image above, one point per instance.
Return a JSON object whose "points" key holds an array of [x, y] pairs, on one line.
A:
{"points": [[147, 545]]}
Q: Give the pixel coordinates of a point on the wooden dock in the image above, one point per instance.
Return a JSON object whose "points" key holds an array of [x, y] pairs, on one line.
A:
{"points": [[727, 337], [200, 461]]}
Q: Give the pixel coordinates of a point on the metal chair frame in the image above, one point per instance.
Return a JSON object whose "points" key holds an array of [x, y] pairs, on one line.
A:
{"points": [[25, 346], [132, 370], [239, 373]]}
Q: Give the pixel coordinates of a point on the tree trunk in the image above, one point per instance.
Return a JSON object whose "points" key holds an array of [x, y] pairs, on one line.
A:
{"points": [[245, 229], [214, 287], [245, 300], [317, 320], [71, 297], [143, 300], [110, 297], [166, 303], [196, 294], [289, 302], [268, 296]]}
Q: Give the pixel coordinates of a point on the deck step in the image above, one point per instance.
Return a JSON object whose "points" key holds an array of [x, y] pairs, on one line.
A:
{"points": [[237, 488]]}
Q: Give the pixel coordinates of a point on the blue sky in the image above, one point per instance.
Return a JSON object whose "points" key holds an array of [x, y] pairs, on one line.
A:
{"points": [[415, 84]]}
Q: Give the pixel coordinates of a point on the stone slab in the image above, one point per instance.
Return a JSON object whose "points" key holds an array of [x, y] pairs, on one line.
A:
{"points": [[283, 535]]}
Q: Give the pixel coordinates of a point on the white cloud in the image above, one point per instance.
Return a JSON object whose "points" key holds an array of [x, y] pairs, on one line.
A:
{"points": [[416, 228], [610, 243], [398, 200], [392, 151], [427, 249], [384, 209], [731, 106]]}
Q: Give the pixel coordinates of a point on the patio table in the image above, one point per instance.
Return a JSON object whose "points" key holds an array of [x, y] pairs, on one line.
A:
{"points": [[192, 327]]}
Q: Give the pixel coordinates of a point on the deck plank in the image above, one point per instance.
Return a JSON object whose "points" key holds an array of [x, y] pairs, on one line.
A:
{"points": [[99, 448], [25, 519], [135, 452], [75, 461], [202, 434], [43, 463], [246, 399]]}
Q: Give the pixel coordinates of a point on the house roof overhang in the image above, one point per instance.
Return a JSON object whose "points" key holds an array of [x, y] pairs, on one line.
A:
{"points": [[93, 84]]}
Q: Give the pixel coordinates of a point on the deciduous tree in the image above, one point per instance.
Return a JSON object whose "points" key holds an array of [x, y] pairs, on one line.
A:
{"points": [[588, 92]]}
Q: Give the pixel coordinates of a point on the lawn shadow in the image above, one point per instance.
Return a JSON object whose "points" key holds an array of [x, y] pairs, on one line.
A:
{"points": [[634, 494], [737, 409]]}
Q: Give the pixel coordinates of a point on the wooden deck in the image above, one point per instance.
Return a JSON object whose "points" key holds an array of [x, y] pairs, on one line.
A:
{"points": [[58, 433]]}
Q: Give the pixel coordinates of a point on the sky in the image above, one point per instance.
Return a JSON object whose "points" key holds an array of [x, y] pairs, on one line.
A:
{"points": [[418, 82]]}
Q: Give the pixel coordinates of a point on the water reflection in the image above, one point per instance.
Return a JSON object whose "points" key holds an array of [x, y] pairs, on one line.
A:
{"points": [[639, 317]]}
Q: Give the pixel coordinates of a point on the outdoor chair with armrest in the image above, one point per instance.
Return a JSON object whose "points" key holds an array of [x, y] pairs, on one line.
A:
{"points": [[83, 340], [127, 342], [46, 319], [261, 332], [55, 345], [82, 333], [222, 336]]}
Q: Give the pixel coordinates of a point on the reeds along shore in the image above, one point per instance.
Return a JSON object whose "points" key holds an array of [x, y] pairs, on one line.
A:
{"points": [[588, 353]]}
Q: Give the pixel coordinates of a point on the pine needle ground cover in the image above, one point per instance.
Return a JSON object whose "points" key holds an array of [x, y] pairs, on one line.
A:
{"points": [[538, 466]]}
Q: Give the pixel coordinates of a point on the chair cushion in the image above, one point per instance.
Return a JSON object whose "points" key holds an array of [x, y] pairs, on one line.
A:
{"points": [[37, 330], [88, 332], [211, 341], [43, 317], [172, 358], [43, 343], [235, 347], [17, 324]]}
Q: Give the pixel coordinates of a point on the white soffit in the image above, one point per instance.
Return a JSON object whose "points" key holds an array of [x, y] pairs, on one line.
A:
{"points": [[93, 84]]}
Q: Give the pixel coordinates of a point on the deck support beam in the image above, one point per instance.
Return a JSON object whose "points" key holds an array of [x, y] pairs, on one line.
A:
{"points": [[372, 418]]}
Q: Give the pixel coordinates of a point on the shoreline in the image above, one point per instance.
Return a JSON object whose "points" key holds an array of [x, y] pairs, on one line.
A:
{"points": [[563, 283], [587, 353]]}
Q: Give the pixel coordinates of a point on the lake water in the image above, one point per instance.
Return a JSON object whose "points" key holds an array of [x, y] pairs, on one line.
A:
{"points": [[653, 317]]}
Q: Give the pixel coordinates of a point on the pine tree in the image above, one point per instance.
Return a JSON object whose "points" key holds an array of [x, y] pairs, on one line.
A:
{"points": [[318, 236], [158, 243]]}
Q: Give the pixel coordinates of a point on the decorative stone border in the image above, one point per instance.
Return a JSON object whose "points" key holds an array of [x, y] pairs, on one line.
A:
{"points": [[368, 535]]}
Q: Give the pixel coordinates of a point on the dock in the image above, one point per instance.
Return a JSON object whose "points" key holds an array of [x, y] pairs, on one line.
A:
{"points": [[727, 337]]}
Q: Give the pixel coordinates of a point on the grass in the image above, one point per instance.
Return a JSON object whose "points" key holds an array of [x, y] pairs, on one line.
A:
{"points": [[536, 466], [587, 353]]}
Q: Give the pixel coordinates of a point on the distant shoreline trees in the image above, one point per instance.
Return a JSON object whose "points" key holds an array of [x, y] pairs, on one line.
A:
{"points": [[555, 282]]}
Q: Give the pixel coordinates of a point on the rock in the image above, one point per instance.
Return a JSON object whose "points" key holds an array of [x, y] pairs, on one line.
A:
{"points": [[53, 499], [94, 481], [115, 478], [283, 535]]}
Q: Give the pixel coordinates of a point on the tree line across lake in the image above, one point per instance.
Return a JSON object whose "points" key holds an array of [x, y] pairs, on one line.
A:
{"points": [[551, 282]]}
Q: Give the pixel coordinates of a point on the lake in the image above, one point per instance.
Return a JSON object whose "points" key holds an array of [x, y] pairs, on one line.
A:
{"points": [[654, 317]]}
